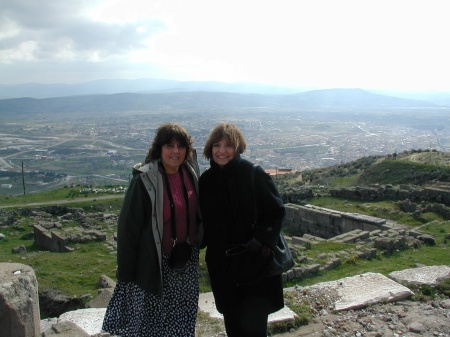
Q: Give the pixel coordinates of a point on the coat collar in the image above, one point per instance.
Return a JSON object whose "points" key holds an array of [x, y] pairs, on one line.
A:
{"points": [[228, 168]]}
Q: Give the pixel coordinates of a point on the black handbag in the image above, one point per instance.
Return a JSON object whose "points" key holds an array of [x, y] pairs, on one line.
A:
{"points": [[245, 267], [180, 255], [282, 259]]}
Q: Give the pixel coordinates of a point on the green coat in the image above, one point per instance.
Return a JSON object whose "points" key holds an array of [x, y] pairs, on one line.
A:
{"points": [[140, 227]]}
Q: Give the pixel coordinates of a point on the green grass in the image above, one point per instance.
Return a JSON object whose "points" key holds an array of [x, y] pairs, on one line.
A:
{"points": [[57, 194], [404, 172], [69, 194], [413, 167], [343, 181], [205, 285], [436, 255], [77, 273], [382, 209]]}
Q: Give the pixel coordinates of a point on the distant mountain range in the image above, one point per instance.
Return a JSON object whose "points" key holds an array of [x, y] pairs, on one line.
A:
{"points": [[350, 99], [144, 85], [150, 94]]}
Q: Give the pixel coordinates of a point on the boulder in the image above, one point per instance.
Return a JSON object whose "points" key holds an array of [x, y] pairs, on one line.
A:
{"points": [[106, 282], [19, 301], [54, 303], [102, 299]]}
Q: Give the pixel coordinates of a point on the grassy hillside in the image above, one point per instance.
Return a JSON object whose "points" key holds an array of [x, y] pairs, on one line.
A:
{"points": [[77, 273], [412, 167], [405, 171]]}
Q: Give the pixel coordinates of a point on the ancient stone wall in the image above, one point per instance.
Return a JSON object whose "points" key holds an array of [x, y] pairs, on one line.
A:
{"points": [[326, 223], [439, 195], [58, 239]]}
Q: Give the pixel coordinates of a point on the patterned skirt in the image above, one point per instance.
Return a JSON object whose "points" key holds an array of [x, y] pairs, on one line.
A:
{"points": [[133, 312]]}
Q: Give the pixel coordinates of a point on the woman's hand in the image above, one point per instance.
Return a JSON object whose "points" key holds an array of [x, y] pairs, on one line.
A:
{"points": [[255, 246], [265, 251]]}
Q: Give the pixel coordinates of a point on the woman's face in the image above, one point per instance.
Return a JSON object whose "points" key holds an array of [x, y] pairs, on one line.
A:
{"points": [[222, 152], [172, 156]]}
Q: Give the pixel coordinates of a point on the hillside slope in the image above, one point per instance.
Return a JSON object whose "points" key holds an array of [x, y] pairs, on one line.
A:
{"points": [[413, 167]]}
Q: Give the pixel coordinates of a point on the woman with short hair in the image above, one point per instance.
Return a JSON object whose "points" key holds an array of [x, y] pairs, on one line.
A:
{"points": [[227, 204]]}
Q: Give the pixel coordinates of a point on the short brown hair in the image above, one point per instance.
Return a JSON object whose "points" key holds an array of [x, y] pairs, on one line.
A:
{"points": [[166, 134], [228, 131]]}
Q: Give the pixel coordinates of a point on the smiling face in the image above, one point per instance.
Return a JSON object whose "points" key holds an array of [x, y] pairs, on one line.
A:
{"points": [[223, 152], [172, 156]]}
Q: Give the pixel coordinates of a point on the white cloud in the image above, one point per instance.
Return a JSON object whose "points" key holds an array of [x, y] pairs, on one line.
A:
{"points": [[353, 43]]}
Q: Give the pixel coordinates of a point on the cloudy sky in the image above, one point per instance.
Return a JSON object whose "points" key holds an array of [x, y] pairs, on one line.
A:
{"points": [[326, 43]]}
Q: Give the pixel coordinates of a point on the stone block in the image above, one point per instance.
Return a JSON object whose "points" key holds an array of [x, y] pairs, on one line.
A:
{"points": [[65, 329], [297, 240], [429, 275], [362, 290]]}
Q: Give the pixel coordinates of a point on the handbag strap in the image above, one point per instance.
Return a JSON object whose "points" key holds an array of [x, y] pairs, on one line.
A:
{"points": [[172, 205], [252, 181]]}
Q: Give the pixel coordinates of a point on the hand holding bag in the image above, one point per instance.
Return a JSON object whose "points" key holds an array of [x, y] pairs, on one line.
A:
{"points": [[246, 266]]}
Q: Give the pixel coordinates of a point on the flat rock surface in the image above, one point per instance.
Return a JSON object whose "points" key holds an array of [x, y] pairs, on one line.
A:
{"points": [[430, 275], [90, 320], [206, 304], [361, 290]]}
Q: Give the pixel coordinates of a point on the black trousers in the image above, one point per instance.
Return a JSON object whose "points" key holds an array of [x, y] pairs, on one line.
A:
{"points": [[246, 321]]}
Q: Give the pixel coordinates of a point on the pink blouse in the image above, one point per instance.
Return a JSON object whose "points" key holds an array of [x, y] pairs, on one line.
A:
{"points": [[176, 186]]}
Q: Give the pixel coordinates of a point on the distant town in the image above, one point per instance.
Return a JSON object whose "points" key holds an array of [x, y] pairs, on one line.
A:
{"points": [[43, 151]]}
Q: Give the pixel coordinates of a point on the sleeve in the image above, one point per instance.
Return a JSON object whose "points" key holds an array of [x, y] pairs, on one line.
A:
{"points": [[202, 186], [133, 216], [271, 210]]}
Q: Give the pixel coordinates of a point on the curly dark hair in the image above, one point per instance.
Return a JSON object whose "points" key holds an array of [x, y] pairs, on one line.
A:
{"points": [[166, 134], [228, 131]]}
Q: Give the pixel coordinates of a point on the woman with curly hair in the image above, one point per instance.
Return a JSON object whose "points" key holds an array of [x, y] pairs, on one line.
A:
{"points": [[158, 243]]}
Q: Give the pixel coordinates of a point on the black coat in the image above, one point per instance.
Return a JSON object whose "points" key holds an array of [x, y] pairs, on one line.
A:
{"points": [[227, 207]]}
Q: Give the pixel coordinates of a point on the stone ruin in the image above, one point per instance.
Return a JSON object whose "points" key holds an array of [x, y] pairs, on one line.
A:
{"points": [[55, 228], [439, 194], [55, 231], [309, 225], [55, 239]]}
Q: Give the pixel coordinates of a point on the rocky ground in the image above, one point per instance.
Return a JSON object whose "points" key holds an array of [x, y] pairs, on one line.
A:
{"points": [[403, 318], [398, 319]]}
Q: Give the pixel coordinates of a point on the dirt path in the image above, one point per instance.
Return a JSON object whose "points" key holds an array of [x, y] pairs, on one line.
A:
{"points": [[64, 201]]}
